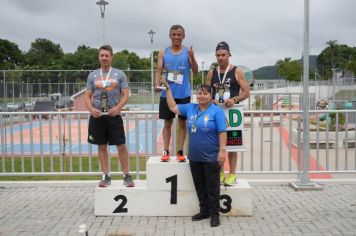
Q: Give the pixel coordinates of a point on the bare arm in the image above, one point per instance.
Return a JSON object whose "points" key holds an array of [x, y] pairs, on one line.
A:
{"points": [[222, 151], [208, 77], [159, 67], [123, 100], [170, 100], [245, 88], [192, 61], [87, 99]]}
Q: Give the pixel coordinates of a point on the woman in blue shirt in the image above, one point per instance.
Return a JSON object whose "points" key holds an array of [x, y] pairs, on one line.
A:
{"points": [[206, 150]]}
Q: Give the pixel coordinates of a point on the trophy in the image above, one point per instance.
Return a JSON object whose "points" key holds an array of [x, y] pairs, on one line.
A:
{"points": [[104, 102], [220, 93], [163, 81]]}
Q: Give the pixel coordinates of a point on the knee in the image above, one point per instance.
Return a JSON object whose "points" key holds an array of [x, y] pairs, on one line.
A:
{"points": [[102, 148], [183, 124], [168, 124]]}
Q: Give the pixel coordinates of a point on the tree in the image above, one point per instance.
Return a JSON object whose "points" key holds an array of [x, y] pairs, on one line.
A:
{"points": [[128, 61], [10, 55], [86, 58], [351, 66], [289, 70], [335, 56], [44, 54]]}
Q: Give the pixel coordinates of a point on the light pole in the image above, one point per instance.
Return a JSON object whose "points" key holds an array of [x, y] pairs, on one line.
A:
{"points": [[102, 4], [151, 33], [5, 90], [304, 182], [202, 72]]}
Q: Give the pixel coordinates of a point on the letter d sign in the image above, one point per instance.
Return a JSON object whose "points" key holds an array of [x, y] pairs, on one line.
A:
{"points": [[235, 118]]}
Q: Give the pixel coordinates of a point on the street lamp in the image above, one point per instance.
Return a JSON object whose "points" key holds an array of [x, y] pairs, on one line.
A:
{"points": [[202, 72], [102, 4], [151, 33]]}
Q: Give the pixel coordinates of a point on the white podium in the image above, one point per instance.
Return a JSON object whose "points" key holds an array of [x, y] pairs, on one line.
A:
{"points": [[168, 191]]}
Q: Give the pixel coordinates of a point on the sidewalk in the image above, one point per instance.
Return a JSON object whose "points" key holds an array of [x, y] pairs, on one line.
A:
{"points": [[48, 208]]}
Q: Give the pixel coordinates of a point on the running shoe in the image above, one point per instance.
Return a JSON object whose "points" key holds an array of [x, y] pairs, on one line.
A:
{"points": [[180, 156], [128, 182], [165, 156], [230, 180], [105, 181], [222, 177]]}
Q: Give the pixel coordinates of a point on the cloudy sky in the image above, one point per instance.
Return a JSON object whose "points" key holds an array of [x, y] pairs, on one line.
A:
{"points": [[259, 32]]}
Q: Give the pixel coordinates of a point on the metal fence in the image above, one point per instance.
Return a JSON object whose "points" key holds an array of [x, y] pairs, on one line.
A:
{"points": [[55, 143], [21, 87]]}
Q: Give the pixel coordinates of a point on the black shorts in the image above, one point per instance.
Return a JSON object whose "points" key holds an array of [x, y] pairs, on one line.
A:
{"points": [[106, 130], [166, 113]]}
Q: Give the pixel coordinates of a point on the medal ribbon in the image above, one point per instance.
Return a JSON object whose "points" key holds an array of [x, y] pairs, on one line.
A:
{"points": [[199, 115], [225, 73], [107, 76]]}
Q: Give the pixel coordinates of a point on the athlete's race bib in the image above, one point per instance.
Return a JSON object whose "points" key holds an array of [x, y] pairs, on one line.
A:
{"points": [[175, 78]]}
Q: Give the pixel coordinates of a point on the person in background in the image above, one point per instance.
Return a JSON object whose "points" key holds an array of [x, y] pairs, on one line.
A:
{"points": [[174, 64], [206, 149], [230, 81], [106, 94]]}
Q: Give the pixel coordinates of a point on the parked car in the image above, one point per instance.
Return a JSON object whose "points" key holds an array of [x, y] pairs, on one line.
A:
{"points": [[12, 106], [29, 106]]}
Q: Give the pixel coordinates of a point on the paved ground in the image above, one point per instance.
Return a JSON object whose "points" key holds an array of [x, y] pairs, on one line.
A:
{"points": [[59, 209]]}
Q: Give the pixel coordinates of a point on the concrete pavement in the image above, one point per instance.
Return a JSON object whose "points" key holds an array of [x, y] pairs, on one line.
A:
{"points": [[57, 208]]}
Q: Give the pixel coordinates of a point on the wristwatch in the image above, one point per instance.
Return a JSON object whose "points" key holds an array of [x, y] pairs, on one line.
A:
{"points": [[235, 99]]}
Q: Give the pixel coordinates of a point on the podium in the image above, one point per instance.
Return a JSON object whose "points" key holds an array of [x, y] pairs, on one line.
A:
{"points": [[168, 191]]}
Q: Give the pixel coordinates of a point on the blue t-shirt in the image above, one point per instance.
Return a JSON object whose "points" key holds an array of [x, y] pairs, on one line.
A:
{"points": [[176, 70], [204, 144]]}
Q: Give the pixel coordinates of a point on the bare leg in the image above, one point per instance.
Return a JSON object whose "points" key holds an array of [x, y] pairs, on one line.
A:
{"points": [[167, 133], [232, 162], [103, 157], [124, 157], [182, 134]]}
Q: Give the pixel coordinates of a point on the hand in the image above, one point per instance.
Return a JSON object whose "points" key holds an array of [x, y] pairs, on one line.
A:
{"points": [[114, 111], [191, 52], [229, 102], [157, 90], [95, 112], [221, 157]]}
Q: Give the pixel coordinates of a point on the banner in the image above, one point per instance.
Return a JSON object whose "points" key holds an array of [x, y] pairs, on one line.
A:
{"points": [[235, 128]]}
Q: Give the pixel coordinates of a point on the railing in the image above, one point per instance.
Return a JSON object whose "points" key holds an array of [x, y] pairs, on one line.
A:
{"points": [[55, 143]]}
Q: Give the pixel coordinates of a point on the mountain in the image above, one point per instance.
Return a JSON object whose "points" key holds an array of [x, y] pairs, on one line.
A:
{"points": [[270, 73]]}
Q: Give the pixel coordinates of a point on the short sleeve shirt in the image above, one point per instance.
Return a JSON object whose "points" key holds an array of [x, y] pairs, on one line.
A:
{"points": [[204, 144], [113, 85]]}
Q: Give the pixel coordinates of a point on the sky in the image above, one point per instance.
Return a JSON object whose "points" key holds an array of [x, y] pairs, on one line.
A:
{"points": [[259, 32]]}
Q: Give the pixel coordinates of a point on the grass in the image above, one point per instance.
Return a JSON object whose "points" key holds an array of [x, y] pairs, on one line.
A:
{"points": [[67, 162]]}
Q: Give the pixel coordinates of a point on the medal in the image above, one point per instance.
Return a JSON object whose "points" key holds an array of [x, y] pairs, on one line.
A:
{"points": [[105, 82], [194, 129], [221, 86]]}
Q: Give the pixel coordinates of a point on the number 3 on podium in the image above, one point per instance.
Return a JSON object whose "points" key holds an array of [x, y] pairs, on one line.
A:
{"points": [[174, 183]]}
